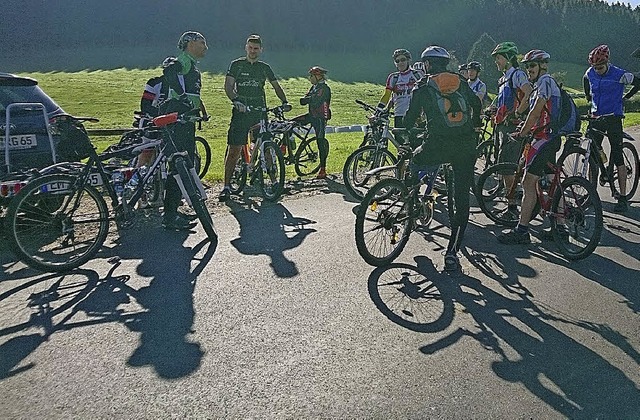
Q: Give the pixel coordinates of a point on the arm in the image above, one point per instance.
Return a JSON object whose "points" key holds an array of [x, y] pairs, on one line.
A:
{"points": [[385, 99], [524, 103], [171, 73], [586, 86], [230, 87], [635, 83], [279, 92], [533, 116]]}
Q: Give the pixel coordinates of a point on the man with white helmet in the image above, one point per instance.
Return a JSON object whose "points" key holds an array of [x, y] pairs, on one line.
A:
{"points": [[544, 109], [452, 111]]}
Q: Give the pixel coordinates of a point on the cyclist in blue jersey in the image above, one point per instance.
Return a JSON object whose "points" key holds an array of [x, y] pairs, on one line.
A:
{"points": [[244, 86], [477, 86], [399, 86], [604, 86], [544, 108], [184, 82]]}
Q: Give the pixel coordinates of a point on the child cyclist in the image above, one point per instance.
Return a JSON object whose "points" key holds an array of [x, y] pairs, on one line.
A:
{"points": [[319, 99]]}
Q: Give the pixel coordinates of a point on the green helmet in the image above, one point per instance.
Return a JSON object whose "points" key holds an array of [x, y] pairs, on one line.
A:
{"points": [[508, 49]]}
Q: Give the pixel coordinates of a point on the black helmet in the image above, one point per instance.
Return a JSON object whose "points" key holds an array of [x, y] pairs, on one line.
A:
{"points": [[474, 65]]}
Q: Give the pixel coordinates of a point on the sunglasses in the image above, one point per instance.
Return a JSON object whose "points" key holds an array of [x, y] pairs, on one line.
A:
{"points": [[600, 67], [400, 60], [531, 65]]}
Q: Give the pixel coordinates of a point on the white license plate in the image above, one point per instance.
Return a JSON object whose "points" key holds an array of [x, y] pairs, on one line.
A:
{"points": [[20, 141], [56, 187]]}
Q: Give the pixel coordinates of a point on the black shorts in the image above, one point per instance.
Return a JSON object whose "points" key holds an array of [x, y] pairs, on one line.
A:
{"points": [[547, 154], [241, 123]]}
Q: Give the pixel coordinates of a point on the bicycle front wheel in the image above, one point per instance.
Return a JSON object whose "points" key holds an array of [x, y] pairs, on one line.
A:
{"points": [[202, 160], [384, 222], [54, 225], [307, 157], [576, 218], [360, 162], [272, 168], [193, 189]]}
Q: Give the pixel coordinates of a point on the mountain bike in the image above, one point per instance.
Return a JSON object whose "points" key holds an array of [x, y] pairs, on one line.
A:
{"points": [[293, 138], [585, 157], [393, 208], [487, 149], [261, 162], [59, 221], [372, 153], [571, 203]]}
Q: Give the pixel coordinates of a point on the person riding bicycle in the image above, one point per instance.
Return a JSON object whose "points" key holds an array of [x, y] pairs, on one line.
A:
{"points": [[319, 99], [544, 108], [244, 86], [451, 138], [604, 86], [184, 83], [399, 86], [477, 86], [514, 90]]}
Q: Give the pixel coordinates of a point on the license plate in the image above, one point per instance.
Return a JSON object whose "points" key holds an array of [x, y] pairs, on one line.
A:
{"points": [[95, 180], [56, 187], [20, 141]]}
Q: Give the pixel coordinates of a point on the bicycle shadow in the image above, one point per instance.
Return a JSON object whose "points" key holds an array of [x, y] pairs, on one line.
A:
{"points": [[269, 229], [537, 354]]}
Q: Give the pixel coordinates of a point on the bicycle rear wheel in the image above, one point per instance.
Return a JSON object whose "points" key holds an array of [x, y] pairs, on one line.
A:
{"points": [[192, 187], [272, 170], [632, 163], [576, 218], [238, 177], [491, 195], [383, 222], [202, 159], [54, 225], [363, 160], [307, 157]]}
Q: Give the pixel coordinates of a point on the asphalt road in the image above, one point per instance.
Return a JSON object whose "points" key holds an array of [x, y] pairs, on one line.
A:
{"points": [[284, 319]]}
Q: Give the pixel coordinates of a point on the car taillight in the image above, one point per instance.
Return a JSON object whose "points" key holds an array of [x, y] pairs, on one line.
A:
{"points": [[11, 188]]}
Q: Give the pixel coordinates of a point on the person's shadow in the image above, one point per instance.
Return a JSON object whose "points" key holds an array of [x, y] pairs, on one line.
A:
{"points": [[270, 229]]}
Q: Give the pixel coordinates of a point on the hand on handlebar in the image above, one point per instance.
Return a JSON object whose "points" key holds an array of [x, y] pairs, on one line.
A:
{"points": [[286, 107], [239, 106]]}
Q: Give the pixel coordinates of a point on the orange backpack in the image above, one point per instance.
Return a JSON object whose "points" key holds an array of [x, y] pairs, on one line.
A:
{"points": [[451, 103]]}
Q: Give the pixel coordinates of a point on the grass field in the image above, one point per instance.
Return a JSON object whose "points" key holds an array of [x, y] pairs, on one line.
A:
{"points": [[113, 96]]}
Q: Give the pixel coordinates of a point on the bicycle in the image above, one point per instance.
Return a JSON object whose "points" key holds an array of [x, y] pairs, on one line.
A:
{"points": [[258, 159], [372, 153], [571, 203], [487, 149], [393, 208], [585, 157], [304, 155], [202, 157], [57, 222]]}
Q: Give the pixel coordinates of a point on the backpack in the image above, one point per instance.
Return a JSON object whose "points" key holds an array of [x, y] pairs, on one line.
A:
{"points": [[569, 119], [452, 104]]}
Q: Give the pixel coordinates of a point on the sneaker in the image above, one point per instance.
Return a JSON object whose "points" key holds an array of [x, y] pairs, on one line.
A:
{"points": [[224, 194], [451, 262], [621, 206], [190, 217], [514, 237], [177, 223], [322, 174]]}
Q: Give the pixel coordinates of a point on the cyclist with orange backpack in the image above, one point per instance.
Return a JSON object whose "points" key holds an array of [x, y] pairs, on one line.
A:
{"points": [[452, 112], [399, 86], [604, 86]]}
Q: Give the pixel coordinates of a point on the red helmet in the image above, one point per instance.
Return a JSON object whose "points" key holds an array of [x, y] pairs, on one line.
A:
{"points": [[599, 55], [317, 71], [538, 56]]}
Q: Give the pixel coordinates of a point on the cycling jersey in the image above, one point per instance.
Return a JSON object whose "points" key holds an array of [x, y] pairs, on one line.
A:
{"points": [[480, 89], [400, 84], [154, 93], [510, 93], [183, 77], [547, 89], [319, 99], [250, 79], [607, 90]]}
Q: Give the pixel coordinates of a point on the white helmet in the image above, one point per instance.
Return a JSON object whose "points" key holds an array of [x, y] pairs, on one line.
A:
{"points": [[434, 51]]}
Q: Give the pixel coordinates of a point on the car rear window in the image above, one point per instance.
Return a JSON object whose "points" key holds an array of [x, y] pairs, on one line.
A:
{"points": [[33, 93]]}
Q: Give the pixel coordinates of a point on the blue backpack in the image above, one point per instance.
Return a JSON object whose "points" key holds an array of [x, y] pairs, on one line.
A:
{"points": [[569, 119]]}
